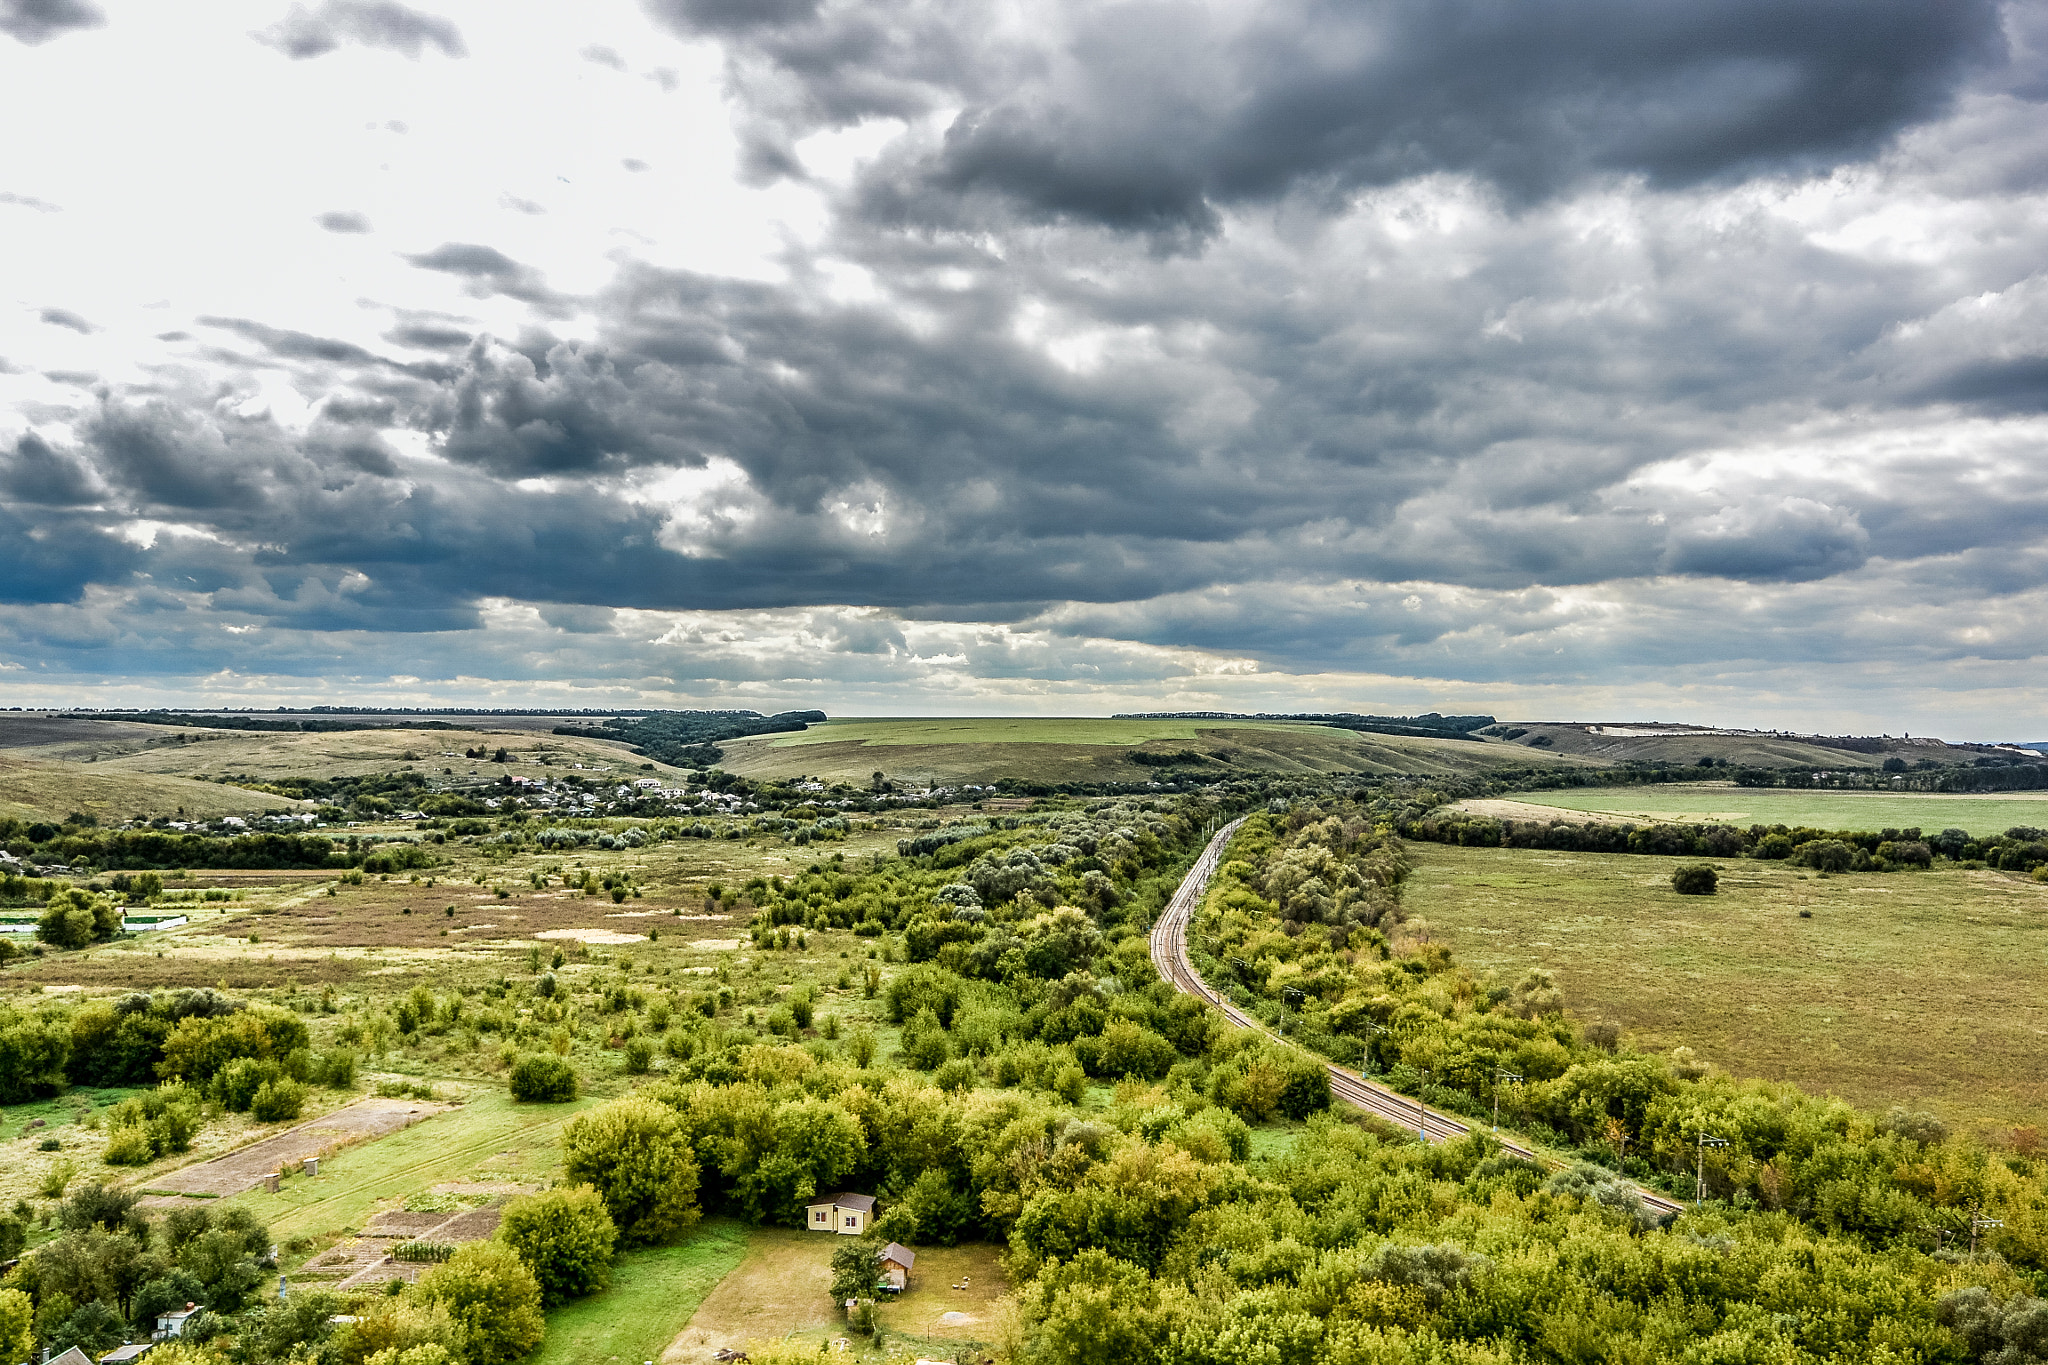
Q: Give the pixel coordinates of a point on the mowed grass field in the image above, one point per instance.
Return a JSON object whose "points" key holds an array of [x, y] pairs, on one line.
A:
{"points": [[1726, 803], [488, 1137], [1089, 749], [653, 1294], [1923, 989]]}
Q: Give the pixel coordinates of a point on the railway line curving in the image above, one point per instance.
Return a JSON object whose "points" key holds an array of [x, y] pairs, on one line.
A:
{"points": [[1170, 956]]}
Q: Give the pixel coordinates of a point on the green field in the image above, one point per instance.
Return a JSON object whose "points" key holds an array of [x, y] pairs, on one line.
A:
{"points": [[1082, 749], [1020, 730], [652, 1297], [1726, 803], [44, 789], [487, 1138], [1927, 989]]}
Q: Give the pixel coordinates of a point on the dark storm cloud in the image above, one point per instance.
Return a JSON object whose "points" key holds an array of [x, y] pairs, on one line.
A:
{"points": [[2015, 385], [307, 33], [1150, 116], [43, 560], [36, 473], [37, 21], [64, 317], [343, 220]]}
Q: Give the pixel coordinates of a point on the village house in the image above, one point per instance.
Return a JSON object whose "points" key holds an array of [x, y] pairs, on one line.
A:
{"points": [[846, 1214]]}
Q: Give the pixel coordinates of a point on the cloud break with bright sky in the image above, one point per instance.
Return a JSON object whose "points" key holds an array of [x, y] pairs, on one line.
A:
{"points": [[1563, 358]]}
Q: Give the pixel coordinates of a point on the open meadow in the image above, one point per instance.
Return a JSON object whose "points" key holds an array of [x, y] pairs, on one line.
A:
{"points": [[1084, 749], [1728, 804], [1928, 989]]}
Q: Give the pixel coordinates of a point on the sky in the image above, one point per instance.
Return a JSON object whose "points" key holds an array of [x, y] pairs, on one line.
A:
{"points": [[1556, 359]]}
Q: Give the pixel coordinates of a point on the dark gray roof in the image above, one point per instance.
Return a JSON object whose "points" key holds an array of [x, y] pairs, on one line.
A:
{"points": [[72, 1356], [900, 1254], [125, 1354], [860, 1203]]}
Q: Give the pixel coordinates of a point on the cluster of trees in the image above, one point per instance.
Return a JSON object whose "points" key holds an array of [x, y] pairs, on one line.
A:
{"points": [[111, 1271], [2020, 849], [208, 1046], [688, 739], [111, 850]]}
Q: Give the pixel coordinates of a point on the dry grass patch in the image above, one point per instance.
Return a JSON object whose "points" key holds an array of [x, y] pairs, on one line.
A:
{"points": [[1928, 989]]}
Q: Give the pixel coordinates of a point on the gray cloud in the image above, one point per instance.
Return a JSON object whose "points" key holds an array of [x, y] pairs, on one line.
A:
{"points": [[383, 24], [28, 202], [490, 271], [1510, 349], [343, 220], [37, 21], [1152, 119], [64, 317]]}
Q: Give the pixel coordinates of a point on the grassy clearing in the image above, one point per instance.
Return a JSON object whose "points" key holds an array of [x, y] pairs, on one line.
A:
{"points": [[917, 1318], [652, 1296], [782, 1287], [1726, 803], [489, 1137], [1925, 989]]}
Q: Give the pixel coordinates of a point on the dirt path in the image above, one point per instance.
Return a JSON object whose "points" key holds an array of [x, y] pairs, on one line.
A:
{"points": [[244, 1168]]}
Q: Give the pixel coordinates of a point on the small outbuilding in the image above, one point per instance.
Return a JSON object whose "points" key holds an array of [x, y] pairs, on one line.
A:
{"points": [[72, 1356], [896, 1261], [846, 1214], [134, 1350], [172, 1324]]}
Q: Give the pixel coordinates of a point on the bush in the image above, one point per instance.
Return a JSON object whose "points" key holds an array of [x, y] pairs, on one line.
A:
{"points": [[1695, 879], [493, 1298], [241, 1078], [543, 1079], [566, 1237], [634, 1153], [639, 1056], [278, 1101], [130, 1146]]}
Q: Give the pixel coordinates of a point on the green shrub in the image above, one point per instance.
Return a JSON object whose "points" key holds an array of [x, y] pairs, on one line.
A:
{"points": [[542, 1079], [493, 1299], [278, 1101], [130, 1146], [639, 1056], [241, 1078], [637, 1157], [1695, 879], [566, 1237]]}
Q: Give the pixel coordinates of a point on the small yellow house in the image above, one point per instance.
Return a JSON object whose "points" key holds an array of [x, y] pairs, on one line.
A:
{"points": [[846, 1214]]}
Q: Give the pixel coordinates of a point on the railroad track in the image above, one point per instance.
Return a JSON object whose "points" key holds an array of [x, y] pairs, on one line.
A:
{"points": [[1170, 956]]}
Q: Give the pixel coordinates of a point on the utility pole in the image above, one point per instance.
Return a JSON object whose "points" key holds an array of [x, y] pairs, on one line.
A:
{"points": [[1979, 1224], [1699, 1187], [1501, 1073]]}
